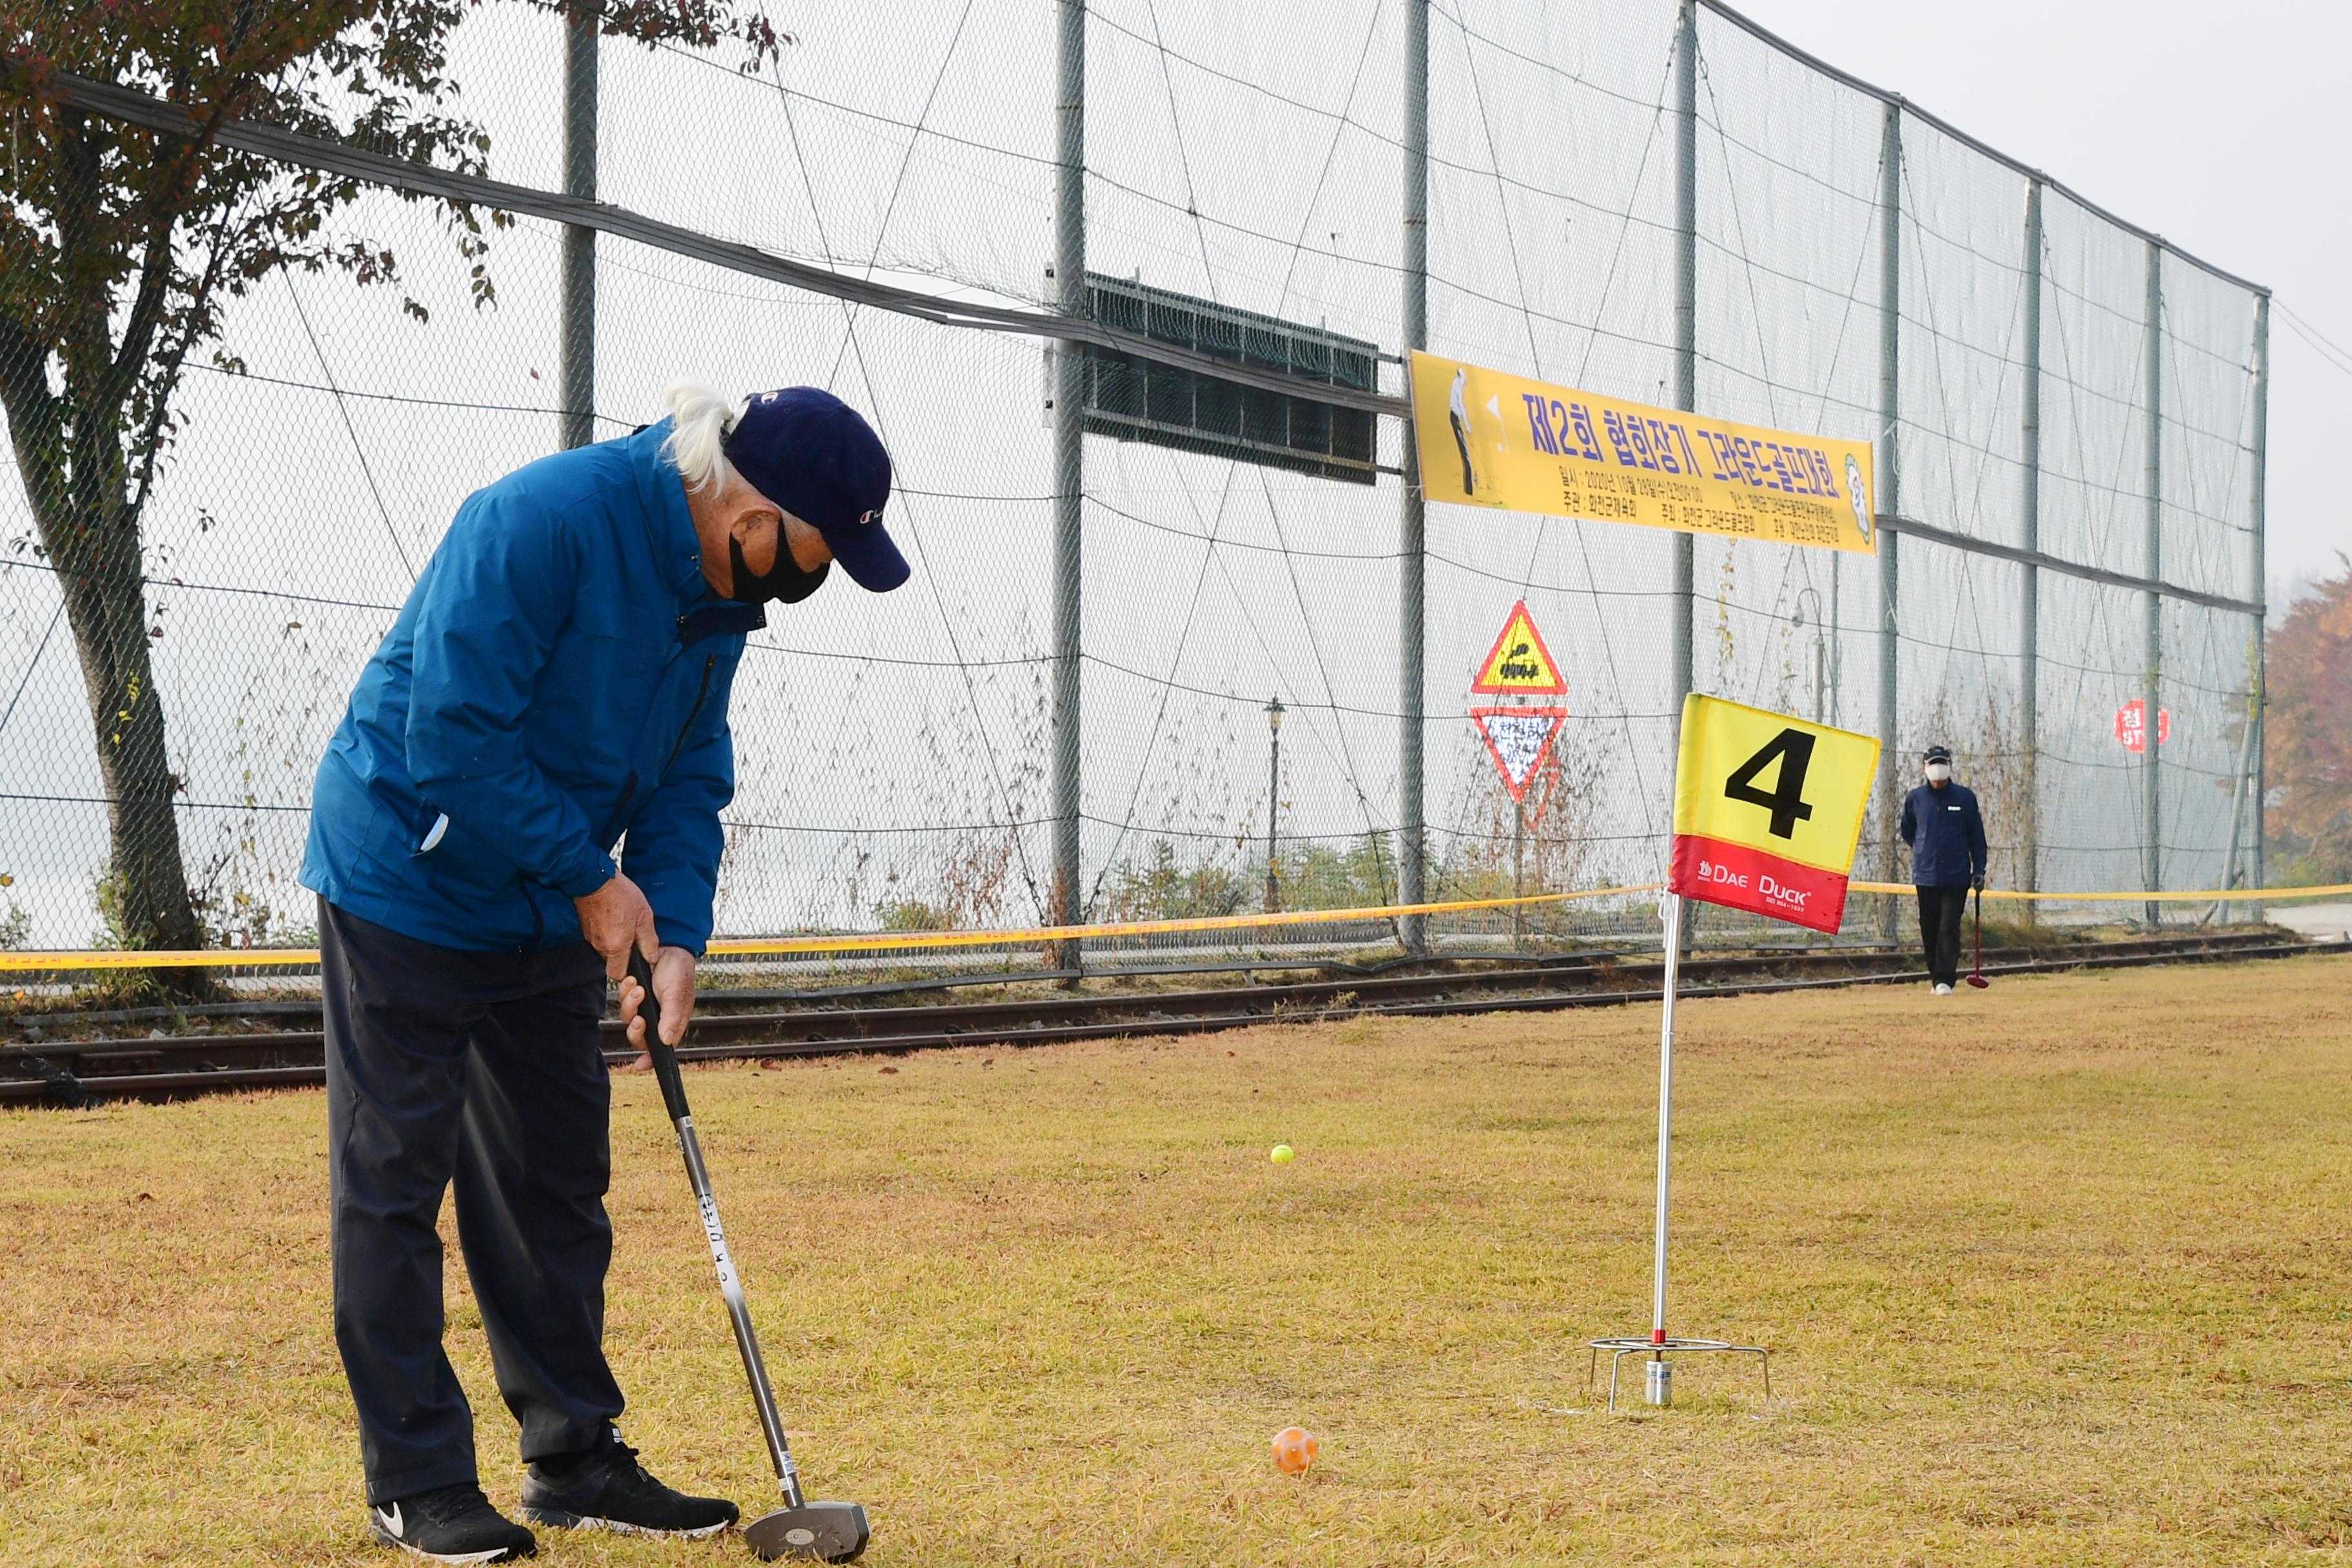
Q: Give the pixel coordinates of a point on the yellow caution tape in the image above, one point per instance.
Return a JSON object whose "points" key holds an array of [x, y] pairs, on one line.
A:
{"points": [[2232, 895], [876, 941], [903, 942]]}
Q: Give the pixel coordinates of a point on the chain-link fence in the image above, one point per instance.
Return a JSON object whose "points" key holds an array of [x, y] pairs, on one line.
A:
{"points": [[2067, 415]]}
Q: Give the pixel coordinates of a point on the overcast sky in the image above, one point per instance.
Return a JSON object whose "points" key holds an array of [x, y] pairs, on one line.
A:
{"points": [[2225, 129]]}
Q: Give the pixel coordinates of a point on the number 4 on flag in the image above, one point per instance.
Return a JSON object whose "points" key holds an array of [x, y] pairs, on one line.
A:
{"points": [[1793, 749]]}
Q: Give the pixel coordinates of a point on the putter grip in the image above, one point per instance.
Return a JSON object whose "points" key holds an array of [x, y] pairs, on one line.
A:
{"points": [[673, 1086]]}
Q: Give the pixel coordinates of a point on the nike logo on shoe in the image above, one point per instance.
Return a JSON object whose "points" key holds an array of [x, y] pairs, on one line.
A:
{"points": [[392, 1529]]}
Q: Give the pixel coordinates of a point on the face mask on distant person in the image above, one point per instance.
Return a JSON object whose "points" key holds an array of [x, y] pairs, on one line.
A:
{"points": [[785, 580], [1938, 772]]}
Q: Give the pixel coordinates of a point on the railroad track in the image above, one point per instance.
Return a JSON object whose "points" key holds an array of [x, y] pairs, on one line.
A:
{"points": [[748, 1024]]}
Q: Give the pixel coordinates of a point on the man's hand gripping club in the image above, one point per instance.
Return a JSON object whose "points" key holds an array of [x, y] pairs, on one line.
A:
{"points": [[614, 918]]}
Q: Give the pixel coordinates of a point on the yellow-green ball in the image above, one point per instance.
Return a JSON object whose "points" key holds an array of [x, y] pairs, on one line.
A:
{"points": [[1283, 1154]]}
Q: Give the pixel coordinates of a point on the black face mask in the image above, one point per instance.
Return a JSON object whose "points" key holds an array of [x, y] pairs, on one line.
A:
{"points": [[784, 581]]}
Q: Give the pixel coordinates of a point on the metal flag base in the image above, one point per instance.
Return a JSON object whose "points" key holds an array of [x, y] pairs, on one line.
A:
{"points": [[1658, 1384]]}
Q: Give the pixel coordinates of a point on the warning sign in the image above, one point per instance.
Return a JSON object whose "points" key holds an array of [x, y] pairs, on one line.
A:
{"points": [[1519, 740], [2131, 725], [1519, 664]]}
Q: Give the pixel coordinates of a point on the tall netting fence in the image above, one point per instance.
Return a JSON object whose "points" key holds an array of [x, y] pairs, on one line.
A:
{"points": [[897, 754]]}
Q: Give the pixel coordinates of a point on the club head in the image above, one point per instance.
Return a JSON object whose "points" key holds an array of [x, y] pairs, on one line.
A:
{"points": [[1978, 981], [826, 1531]]}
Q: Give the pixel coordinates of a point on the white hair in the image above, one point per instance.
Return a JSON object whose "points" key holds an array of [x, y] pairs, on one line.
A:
{"points": [[701, 417]]}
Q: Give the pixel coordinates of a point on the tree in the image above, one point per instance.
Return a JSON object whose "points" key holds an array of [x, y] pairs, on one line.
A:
{"points": [[1160, 889], [120, 248], [2307, 748]]}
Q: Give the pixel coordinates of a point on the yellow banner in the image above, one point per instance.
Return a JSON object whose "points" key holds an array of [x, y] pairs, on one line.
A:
{"points": [[1772, 783], [1487, 439]]}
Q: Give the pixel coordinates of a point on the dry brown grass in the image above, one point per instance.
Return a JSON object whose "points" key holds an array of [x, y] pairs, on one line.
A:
{"points": [[2056, 1274]]}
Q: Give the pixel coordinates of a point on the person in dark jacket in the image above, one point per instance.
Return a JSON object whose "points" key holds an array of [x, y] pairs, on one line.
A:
{"points": [[555, 687], [1945, 833]]}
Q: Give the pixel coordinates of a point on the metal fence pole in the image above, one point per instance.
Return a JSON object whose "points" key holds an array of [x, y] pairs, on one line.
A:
{"points": [[2152, 712], [1069, 465], [1273, 805], [1890, 491], [2029, 605], [2258, 702], [1411, 563], [575, 417], [1686, 323], [2237, 820]]}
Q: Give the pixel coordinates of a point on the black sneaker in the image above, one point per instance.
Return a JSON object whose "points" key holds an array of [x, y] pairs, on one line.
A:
{"points": [[451, 1524], [606, 1489]]}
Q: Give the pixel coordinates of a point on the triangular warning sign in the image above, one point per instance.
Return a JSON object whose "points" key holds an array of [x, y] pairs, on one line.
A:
{"points": [[1519, 739], [1520, 663]]}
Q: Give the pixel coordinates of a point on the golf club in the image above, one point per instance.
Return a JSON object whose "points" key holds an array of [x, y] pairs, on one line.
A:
{"points": [[830, 1532], [1978, 979]]}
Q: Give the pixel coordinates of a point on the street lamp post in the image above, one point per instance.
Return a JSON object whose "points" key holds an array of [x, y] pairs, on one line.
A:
{"points": [[1797, 619], [1273, 803]]}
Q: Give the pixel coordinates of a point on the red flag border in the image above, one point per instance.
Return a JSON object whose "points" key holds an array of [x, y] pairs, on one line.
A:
{"points": [[1737, 877]]}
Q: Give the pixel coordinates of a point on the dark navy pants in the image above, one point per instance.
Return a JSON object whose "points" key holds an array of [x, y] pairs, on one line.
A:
{"points": [[1942, 912], [484, 1069]]}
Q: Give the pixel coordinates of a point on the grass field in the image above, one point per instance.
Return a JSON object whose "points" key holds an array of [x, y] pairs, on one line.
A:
{"points": [[2059, 1273]]}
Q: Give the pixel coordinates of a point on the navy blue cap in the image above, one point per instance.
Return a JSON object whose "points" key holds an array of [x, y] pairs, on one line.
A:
{"points": [[1937, 754], [816, 457]]}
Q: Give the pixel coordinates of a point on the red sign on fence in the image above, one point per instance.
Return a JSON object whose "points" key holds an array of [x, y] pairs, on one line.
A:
{"points": [[2131, 725]]}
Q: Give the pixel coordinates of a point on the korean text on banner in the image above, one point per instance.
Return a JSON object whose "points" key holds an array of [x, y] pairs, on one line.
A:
{"points": [[1488, 438], [1768, 809]]}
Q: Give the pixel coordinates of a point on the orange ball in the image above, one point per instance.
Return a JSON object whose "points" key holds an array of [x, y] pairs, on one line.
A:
{"points": [[1294, 1450]]}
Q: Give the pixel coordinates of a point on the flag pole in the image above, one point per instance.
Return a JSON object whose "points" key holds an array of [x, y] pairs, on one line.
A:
{"points": [[1658, 1388], [1727, 867]]}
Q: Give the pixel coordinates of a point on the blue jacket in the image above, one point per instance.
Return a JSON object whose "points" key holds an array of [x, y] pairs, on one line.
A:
{"points": [[558, 678], [1947, 836]]}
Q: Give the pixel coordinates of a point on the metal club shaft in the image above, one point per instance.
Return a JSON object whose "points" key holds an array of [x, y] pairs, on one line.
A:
{"points": [[739, 1312]]}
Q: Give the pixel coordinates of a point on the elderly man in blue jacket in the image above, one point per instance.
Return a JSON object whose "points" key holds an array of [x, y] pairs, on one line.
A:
{"points": [[555, 687], [1946, 832]]}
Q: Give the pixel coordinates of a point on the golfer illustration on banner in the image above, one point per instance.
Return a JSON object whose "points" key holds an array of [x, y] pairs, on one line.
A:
{"points": [[1767, 810], [1457, 409]]}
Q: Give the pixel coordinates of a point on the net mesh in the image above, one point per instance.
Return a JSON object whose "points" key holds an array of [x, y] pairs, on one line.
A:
{"points": [[895, 753]]}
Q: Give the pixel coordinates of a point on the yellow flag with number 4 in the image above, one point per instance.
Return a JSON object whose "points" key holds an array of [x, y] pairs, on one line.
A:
{"points": [[1768, 809]]}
